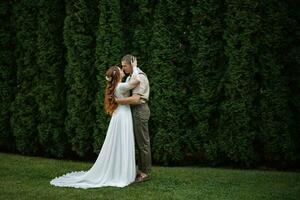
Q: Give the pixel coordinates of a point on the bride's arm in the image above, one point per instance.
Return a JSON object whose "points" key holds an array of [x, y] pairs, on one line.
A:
{"points": [[125, 87]]}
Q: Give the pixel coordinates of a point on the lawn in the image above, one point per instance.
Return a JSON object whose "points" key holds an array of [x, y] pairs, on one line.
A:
{"points": [[23, 177]]}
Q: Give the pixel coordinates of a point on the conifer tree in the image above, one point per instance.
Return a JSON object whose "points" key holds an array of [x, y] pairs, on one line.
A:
{"points": [[109, 51], [142, 23], [237, 130], [166, 129], [50, 91], [277, 132], [208, 66], [290, 59], [7, 74], [25, 108], [80, 77]]}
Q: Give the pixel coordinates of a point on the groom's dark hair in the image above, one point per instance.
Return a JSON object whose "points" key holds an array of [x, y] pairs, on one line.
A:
{"points": [[128, 58]]}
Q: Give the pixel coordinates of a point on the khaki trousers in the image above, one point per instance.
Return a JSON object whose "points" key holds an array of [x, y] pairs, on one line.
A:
{"points": [[140, 116]]}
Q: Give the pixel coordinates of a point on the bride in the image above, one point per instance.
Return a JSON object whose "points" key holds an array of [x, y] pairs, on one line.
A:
{"points": [[115, 165]]}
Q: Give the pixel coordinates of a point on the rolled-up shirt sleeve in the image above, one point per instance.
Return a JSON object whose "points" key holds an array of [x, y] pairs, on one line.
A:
{"points": [[141, 79]]}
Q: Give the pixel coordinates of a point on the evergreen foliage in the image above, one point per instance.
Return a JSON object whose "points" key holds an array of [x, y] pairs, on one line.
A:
{"points": [[142, 23], [166, 107], [25, 115], [50, 91], [7, 74], [224, 77], [80, 76], [108, 52], [207, 75], [277, 126], [237, 129]]}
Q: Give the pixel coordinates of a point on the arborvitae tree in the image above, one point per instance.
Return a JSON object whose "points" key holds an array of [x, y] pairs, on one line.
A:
{"points": [[80, 77], [50, 93], [277, 133], [237, 129], [208, 66], [290, 58], [24, 108], [109, 52], [7, 74], [141, 27], [166, 128], [137, 21], [178, 23], [128, 14]]}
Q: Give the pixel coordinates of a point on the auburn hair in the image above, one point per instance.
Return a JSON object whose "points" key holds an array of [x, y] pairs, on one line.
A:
{"points": [[113, 78]]}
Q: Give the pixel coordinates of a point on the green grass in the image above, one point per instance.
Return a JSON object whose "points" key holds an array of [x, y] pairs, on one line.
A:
{"points": [[24, 177]]}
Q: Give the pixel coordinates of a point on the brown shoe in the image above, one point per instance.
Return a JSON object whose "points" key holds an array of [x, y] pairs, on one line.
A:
{"points": [[140, 178]]}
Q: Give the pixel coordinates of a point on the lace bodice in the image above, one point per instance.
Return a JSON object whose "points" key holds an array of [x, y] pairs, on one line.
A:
{"points": [[122, 90]]}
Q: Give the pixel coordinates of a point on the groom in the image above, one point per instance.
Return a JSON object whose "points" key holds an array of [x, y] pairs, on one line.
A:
{"points": [[140, 114]]}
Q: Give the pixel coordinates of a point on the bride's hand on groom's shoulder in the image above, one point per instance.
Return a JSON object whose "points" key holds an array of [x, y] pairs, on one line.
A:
{"points": [[134, 62]]}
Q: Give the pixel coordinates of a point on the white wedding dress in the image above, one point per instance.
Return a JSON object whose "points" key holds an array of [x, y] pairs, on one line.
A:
{"points": [[115, 165]]}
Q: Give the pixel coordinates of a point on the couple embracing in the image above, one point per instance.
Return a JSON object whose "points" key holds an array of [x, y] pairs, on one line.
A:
{"points": [[126, 102]]}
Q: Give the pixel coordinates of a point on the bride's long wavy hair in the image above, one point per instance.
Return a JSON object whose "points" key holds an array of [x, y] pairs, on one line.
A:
{"points": [[113, 78]]}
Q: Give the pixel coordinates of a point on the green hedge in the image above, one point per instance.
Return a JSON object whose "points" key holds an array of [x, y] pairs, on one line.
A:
{"points": [[80, 76], [50, 91], [224, 77], [109, 48], [24, 108], [7, 74]]}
